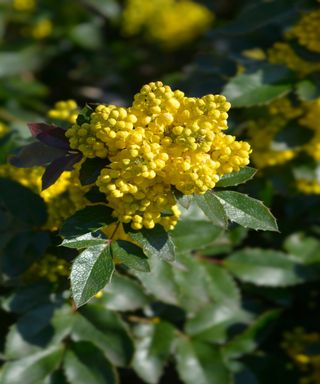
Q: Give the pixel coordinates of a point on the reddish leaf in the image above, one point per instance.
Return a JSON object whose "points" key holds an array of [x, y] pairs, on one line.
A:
{"points": [[50, 134]]}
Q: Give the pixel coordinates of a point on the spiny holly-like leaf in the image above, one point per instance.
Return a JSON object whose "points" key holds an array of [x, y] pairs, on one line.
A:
{"points": [[57, 167], [90, 272], [269, 268], [83, 241], [236, 178], [130, 255], [88, 219], [212, 208], [84, 363], [246, 211], [35, 154], [154, 241], [90, 170], [50, 135], [153, 347]]}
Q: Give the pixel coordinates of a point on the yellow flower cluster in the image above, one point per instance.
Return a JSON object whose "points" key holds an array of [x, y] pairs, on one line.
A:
{"points": [[3, 129], [165, 140], [307, 31], [308, 187], [311, 120], [298, 344], [262, 131], [67, 110], [50, 268], [42, 29], [283, 53], [24, 5], [170, 22]]}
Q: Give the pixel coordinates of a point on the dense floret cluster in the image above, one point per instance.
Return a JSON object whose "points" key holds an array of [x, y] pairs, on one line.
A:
{"points": [[64, 110], [163, 142], [49, 268], [169, 22]]}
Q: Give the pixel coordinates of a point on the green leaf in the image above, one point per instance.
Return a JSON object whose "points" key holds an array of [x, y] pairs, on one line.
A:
{"points": [[105, 330], [292, 135], [194, 235], [88, 219], [83, 241], [268, 268], [247, 90], [160, 281], [200, 363], [303, 249], [84, 115], [32, 369], [183, 200], [39, 328], [235, 178], [90, 272], [129, 254], [124, 294], [154, 241], [90, 170], [22, 203], [221, 286], [307, 90], [153, 347], [84, 363], [213, 323], [249, 340], [246, 211], [212, 208]]}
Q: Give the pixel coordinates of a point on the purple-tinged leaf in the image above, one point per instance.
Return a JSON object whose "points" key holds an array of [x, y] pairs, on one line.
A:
{"points": [[49, 134], [35, 154], [57, 167]]}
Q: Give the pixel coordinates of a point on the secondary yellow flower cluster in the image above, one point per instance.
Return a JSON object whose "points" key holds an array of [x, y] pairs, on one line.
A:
{"points": [[65, 110], [164, 141], [298, 343], [262, 131], [170, 22], [24, 5], [42, 29], [63, 198], [3, 129], [50, 268], [307, 34]]}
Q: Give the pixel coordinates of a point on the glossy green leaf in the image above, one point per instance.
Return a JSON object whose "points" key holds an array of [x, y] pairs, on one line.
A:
{"points": [[246, 211], [212, 208], [84, 363], [153, 347], [129, 254], [200, 363], [32, 369], [154, 241], [90, 272], [88, 219], [303, 249], [235, 178], [83, 241], [247, 90], [106, 331], [124, 294], [269, 268]]}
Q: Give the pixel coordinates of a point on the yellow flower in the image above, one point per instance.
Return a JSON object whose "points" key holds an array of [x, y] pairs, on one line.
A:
{"points": [[67, 110], [24, 5], [42, 29]]}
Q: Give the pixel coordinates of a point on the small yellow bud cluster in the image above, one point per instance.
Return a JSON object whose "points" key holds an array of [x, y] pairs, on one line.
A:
{"points": [[170, 22], [42, 29], [3, 129], [282, 53], [311, 119], [307, 31], [65, 111], [298, 343], [50, 268], [308, 187], [24, 5], [163, 140]]}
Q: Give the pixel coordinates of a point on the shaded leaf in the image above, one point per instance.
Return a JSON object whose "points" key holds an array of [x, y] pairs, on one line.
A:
{"points": [[50, 135], [235, 178], [130, 255], [212, 208], [90, 170]]}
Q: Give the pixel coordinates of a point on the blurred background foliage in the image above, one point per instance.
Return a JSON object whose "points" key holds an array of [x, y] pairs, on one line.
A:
{"points": [[238, 307]]}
